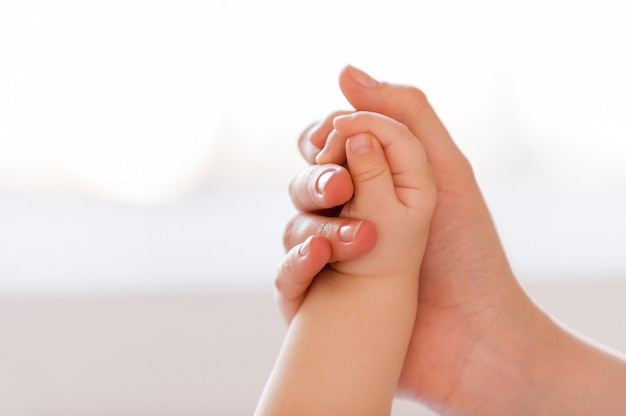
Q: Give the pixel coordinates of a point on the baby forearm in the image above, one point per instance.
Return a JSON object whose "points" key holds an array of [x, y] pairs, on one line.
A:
{"points": [[345, 348]]}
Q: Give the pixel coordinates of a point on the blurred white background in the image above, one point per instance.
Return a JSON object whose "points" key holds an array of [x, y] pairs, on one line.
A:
{"points": [[147, 145]]}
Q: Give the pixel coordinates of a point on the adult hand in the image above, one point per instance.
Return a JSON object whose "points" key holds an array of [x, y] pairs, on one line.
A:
{"points": [[467, 290], [479, 345]]}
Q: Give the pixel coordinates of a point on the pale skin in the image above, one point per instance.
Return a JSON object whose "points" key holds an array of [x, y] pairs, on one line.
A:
{"points": [[344, 351], [479, 345]]}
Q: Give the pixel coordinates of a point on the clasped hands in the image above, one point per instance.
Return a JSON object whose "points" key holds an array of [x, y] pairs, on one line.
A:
{"points": [[469, 300]]}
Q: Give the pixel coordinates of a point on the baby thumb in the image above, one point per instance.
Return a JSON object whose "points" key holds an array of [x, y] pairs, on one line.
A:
{"points": [[373, 182]]}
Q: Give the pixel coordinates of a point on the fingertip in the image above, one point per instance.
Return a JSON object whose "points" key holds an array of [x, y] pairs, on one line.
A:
{"points": [[334, 149], [296, 272], [317, 250], [309, 148], [360, 144], [309, 152], [338, 189], [354, 239], [320, 187], [342, 118], [300, 265], [368, 167], [358, 76], [314, 138], [365, 238]]}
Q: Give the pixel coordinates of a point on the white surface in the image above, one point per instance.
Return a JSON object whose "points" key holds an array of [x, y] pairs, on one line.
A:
{"points": [[211, 240], [193, 354]]}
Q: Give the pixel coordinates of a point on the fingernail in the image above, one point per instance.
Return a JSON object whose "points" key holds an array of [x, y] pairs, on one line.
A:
{"points": [[322, 156], [343, 117], [362, 78], [360, 144], [348, 232], [322, 180]]}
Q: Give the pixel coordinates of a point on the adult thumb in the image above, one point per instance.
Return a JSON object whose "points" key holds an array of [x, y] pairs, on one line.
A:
{"points": [[406, 104]]}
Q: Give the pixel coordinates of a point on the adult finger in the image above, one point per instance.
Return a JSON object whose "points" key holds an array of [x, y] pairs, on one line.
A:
{"points": [[409, 106], [348, 238], [296, 273], [313, 138], [320, 187]]}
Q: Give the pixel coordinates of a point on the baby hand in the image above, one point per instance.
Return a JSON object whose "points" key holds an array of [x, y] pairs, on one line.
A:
{"points": [[394, 188]]}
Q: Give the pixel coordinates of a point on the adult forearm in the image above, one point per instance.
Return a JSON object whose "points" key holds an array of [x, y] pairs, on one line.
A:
{"points": [[528, 364], [571, 376]]}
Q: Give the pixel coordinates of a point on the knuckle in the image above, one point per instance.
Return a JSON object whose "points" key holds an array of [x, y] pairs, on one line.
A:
{"points": [[302, 180], [404, 131], [417, 98], [316, 134], [286, 283], [334, 114], [289, 233], [310, 180], [325, 229], [283, 270], [294, 183], [370, 173]]}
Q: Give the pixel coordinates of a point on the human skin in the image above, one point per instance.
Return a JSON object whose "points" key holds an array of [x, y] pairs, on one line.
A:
{"points": [[479, 345], [344, 350]]}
